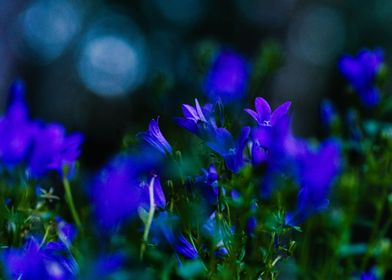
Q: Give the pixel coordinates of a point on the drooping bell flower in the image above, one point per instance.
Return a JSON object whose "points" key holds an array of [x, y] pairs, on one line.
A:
{"points": [[317, 170], [16, 130], [155, 138], [227, 79], [361, 72], [166, 232]]}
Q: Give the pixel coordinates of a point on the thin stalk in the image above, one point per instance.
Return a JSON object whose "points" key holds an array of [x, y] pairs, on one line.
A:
{"points": [[149, 218], [70, 202]]}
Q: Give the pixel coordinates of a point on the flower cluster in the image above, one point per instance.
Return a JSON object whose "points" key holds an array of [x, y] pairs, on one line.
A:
{"points": [[42, 147], [231, 203]]}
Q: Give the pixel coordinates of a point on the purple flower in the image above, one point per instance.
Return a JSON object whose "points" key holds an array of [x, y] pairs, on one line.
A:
{"points": [[166, 225], [66, 231], [208, 184], [201, 122], [120, 189], [16, 130], [197, 120], [368, 276], [53, 149], [154, 137], [361, 71], [33, 262], [159, 196], [317, 169], [263, 115], [116, 192], [227, 79]]}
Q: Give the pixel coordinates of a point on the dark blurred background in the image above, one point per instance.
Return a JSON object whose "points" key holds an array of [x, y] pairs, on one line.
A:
{"points": [[106, 68]]}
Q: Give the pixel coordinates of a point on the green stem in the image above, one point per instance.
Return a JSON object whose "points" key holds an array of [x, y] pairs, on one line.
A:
{"points": [[149, 219], [70, 202]]}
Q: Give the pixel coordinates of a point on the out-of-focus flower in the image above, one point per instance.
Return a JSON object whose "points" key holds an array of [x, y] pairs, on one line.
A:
{"points": [[327, 113], [368, 276], [159, 196], [116, 192], [33, 262], [263, 115], [66, 231], [208, 184], [16, 130], [361, 71], [165, 225], [227, 79], [52, 149], [120, 189], [317, 169], [222, 142], [155, 138]]}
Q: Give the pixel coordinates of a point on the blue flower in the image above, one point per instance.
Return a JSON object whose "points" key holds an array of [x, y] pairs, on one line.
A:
{"points": [[16, 130], [263, 115], [154, 137], [317, 170], [201, 122], [53, 149], [361, 71], [120, 189], [166, 225], [35, 262], [227, 79], [222, 142], [208, 184], [368, 276], [197, 120]]}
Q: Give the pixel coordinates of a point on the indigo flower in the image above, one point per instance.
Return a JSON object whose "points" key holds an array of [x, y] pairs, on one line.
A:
{"points": [[52, 149], [200, 121], [166, 225], [154, 137], [208, 184], [263, 115], [159, 196], [120, 190], [368, 276], [222, 142], [16, 130], [197, 120], [33, 262], [361, 71], [227, 79], [66, 231], [317, 169], [273, 134]]}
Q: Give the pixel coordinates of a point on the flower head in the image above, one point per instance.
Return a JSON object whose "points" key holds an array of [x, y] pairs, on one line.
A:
{"points": [[197, 120], [16, 130], [361, 71], [35, 262], [227, 79], [263, 114], [317, 169], [53, 149], [155, 138]]}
